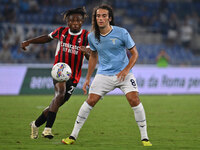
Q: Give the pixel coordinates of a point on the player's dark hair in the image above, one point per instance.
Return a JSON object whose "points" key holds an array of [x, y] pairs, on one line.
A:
{"points": [[95, 27], [80, 10]]}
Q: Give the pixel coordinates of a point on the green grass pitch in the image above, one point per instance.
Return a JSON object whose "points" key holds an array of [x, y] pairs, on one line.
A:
{"points": [[173, 123]]}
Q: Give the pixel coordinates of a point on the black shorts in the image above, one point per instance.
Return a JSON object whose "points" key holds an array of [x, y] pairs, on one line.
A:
{"points": [[70, 86]]}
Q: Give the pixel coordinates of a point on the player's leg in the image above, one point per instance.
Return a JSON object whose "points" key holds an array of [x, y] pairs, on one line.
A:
{"points": [[37, 123], [63, 91], [129, 87], [81, 117], [140, 116], [99, 87], [60, 89], [139, 113], [42, 118]]}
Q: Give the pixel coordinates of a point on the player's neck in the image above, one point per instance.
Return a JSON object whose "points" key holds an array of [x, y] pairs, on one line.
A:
{"points": [[106, 30], [75, 33]]}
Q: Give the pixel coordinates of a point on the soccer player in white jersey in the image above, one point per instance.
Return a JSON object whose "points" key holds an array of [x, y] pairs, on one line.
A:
{"points": [[108, 44]]}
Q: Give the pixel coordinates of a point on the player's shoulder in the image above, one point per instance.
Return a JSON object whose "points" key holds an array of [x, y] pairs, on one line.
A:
{"points": [[119, 29], [85, 31], [61, 27], [91, 35]]}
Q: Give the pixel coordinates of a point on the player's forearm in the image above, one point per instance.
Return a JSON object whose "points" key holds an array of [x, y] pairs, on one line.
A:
{"points": [[40, 40], [132, 62], [87, 55], [92, 64], [133, 58]]}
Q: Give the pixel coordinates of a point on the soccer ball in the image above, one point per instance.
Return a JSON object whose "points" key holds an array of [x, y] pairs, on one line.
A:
{"points": [[61, 72]]}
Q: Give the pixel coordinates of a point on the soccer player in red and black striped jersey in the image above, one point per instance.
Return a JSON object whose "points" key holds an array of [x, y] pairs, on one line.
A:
{"points": [[71, 48]]}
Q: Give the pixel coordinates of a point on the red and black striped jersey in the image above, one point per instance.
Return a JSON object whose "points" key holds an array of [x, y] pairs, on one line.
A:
{"points": [[68, 49]]}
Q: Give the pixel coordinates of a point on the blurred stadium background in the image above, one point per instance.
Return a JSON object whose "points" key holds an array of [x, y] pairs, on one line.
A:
{"points": [[155, 25]]}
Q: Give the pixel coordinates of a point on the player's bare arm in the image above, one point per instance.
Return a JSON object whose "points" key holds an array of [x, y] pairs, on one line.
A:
{"points": [[38, 40], [86, 51], [91, 66], [122, 74]]}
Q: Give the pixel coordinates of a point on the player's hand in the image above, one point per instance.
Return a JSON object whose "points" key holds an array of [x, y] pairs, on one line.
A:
{"points": [[122, 74], [24, 44], [85, 85], [85, 50]]}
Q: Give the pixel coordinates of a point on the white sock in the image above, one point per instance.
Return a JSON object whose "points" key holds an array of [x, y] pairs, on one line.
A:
{"points": [[141, 120], [81, 118]]}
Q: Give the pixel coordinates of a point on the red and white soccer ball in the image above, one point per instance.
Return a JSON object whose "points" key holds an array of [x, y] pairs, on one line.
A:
{"points": [[61, 72]]}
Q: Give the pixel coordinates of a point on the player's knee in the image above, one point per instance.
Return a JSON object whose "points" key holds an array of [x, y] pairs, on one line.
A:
{"points": [[60, 96], [133, 99], [93, 99], [91, 102]]}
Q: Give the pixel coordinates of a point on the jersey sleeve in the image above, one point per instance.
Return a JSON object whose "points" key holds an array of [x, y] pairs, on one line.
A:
{"points": [[87, 43], [129, 43], [90, 41], [55, 33]]}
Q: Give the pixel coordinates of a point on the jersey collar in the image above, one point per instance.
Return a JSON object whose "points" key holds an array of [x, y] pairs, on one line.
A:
{"points": [[75, 33], [108, 32]]}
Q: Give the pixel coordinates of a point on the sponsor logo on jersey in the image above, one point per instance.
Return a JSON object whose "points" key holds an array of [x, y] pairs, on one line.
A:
{"points": [[70, 48]]}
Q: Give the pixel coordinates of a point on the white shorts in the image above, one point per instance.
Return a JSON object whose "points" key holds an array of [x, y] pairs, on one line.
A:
{"points": [[102, 84]]}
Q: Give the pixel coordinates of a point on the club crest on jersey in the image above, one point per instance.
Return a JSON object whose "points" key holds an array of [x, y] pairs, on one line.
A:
{"points": [[113, 40], [79, 40]]}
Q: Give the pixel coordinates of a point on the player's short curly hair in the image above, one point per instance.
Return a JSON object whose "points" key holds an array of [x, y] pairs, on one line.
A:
{"points": [[80, 10]]}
